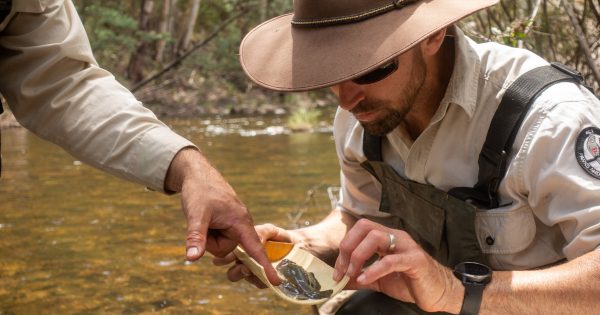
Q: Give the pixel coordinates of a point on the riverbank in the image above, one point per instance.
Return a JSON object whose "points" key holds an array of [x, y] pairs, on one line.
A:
{"points": [[193, 105], [196, 97]]}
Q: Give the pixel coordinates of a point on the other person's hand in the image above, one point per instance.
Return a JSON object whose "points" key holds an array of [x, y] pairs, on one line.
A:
{"points": [[216, 219]]}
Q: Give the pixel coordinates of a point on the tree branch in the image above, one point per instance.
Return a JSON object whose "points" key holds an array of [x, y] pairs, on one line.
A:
{"points": [[596, 9], [530, 21], [582, 40], [179, 59]]}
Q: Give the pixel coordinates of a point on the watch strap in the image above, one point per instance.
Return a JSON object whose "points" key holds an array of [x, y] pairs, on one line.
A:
{"points": [[472, 300]]}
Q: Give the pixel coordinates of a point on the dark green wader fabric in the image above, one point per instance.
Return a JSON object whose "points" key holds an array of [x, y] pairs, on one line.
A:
{"points": [[442, 224]]}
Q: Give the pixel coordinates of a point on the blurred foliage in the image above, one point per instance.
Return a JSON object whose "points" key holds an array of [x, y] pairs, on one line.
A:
{"points": [[212, 76], [303, 119], [544, 27], [113, 34]]}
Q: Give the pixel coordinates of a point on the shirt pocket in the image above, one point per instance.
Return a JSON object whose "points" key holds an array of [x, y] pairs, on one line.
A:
{"points": [[505, 231]]}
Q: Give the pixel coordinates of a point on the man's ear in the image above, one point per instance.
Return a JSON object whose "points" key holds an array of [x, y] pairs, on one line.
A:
{"points": [[432, 44]]}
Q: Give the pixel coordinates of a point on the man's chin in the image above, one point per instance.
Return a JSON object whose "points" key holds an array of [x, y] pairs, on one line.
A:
{"points": [[376, 129]]}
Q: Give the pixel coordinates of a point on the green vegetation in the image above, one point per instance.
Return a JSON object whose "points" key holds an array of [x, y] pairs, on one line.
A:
{"points": [[303, 119], [136, 39]]}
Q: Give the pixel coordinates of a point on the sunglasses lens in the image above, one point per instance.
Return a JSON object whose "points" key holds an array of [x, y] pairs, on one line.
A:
{"points": [[377, 74]]}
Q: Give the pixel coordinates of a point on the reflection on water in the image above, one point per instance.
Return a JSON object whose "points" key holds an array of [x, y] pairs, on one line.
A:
{"points": [[74, 240]]}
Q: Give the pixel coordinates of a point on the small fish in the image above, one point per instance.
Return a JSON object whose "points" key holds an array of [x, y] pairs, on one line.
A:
{"points": [[299, 283]]}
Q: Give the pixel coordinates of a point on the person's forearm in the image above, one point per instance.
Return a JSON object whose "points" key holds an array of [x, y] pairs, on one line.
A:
{"points": [[569, 288], [324, 238]]}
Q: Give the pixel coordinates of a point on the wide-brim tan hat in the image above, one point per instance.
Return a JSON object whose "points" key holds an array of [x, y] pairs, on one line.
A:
{"points": [[325, 42]]}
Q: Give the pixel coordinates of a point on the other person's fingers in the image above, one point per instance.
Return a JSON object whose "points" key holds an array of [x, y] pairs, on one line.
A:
{"points": [[253, 246], [223, 261], [197, 228], [239, 271]]}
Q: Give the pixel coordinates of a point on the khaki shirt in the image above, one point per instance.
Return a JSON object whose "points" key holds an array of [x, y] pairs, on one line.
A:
{"points": [[551, 206], [54, 87]]}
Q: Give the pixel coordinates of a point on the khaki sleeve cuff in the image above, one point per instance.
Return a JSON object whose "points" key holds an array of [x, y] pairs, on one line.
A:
{"points": [[157, 149]]}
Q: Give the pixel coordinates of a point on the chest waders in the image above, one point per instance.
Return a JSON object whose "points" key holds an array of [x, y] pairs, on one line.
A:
{"points": [[443, 223]]}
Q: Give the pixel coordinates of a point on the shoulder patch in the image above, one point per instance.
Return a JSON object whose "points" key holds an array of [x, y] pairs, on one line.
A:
{"points": [[587, 151]]}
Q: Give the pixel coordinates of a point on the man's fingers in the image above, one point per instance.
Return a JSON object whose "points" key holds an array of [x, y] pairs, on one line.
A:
{"points": [[382, 268], [270, 232], [375, 242], [353, 238]]}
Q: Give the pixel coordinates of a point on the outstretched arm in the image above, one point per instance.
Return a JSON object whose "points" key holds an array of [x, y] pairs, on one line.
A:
{"points": [[56, 89]]}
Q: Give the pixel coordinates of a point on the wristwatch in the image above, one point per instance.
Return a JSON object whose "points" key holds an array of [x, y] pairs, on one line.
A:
{"points": [[474, 276]]}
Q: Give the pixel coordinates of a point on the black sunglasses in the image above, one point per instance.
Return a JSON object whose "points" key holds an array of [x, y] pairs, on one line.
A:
{"points": [[377, 74]]}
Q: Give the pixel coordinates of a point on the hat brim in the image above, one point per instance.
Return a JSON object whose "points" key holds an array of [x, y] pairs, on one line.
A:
{"points": [[280, 57]]}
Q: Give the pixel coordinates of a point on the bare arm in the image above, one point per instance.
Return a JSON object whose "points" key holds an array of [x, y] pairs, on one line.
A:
{"points": [[569, 288], [323, 239]]}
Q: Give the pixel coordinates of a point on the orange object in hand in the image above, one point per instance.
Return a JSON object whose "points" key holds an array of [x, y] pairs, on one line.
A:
{"points": [[277, 250]]}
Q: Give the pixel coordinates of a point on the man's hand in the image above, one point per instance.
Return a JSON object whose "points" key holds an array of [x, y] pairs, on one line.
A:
{"points": [[217, 220], [406, 272], [239, 271]]}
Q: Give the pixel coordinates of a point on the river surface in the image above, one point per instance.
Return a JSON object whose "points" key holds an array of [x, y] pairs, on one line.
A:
{"points": [[74, 240]]}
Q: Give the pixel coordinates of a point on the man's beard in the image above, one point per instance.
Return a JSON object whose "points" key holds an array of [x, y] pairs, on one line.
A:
{"points": [[390, 116]]}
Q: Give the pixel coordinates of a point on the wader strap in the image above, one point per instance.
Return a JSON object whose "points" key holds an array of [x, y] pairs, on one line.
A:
{"points": [[372, 147], [504, 127]]}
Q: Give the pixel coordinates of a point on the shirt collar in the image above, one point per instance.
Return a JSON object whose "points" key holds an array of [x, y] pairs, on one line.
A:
{"points": [[464, 82]]}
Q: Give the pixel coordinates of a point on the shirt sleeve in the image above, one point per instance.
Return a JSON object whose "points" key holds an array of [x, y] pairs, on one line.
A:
{"points": [[560, 192], [360, 192], [55, 88]]}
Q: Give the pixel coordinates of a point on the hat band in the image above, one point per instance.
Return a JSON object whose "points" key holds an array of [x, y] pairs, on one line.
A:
{"points": [[353, 18]]}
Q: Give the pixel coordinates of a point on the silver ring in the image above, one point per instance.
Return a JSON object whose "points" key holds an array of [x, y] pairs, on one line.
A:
{"points": [[392, 245]]}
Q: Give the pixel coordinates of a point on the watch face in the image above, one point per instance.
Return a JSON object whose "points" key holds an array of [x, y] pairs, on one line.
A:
{"points": [[473, 272]]}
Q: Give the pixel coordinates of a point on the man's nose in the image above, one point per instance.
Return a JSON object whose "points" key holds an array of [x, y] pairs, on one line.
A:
{"points": [[349, 94]]}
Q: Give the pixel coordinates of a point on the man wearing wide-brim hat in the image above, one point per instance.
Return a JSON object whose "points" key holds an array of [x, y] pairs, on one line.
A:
{"points": [[416, 99]]}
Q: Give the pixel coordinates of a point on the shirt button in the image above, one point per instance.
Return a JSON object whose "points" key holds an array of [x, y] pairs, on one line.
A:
{"points": [[489, 240]]}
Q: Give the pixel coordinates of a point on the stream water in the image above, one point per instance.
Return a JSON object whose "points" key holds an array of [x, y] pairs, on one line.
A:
{"points": [[74, 240]]}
